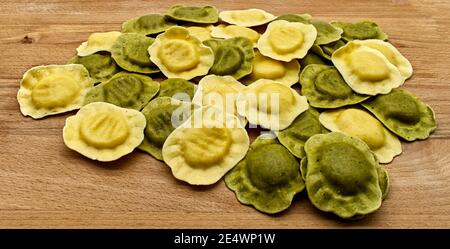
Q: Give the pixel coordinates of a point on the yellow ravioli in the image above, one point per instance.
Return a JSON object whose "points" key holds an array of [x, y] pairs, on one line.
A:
{"points": [[204, 148], [286, 41], [180, 55], [366, 70], [218, 91], [98, 42], [103, 131], [53, 89], [358, 123], [268, 68], [271, 104], [246, 18], [200, 32], [231, 31], [391, 53]]}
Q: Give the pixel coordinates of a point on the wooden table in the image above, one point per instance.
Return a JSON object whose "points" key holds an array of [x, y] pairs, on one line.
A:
{"points": [[44, 184]]}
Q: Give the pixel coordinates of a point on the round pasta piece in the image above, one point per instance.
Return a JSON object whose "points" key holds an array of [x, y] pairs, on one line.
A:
{"points": [[232, 56], [304, 126], [366, 70], [177, 88], [124, 89], [392, 54], [207, 14], [232, 31], [147, 24], [268, 178], [180, 55], [101, 67], [268, 68], [219, 91], [98, 42], [53, 89], [247, 17], [341, 175], [362, 30], [324, 87], [404, 114], [202, 33], [270, 104], [104, 132], [204, 148], [286, 41], [163, 115], [130, 53], [358, 123]]}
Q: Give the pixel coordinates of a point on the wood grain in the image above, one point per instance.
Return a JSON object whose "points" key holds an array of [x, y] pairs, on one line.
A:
{"points": [[44, 184]]}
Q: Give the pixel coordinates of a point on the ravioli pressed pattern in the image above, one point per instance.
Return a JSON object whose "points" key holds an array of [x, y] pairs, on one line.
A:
{"points": [[204, 148], [124, 89], [101, 67], [285, 40], [160, 114], [232, 56], [324, 87], [358, 123], [130, 53], [342, 175], [267, 178], [104, 132], [404, 114], [179, 55], [53, 89]]}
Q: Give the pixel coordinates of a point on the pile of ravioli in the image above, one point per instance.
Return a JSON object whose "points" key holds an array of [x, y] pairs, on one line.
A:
{"points": [[181, 87]]}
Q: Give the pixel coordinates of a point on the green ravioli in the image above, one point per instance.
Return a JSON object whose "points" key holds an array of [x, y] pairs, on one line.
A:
{"points": [[124, 89], [404, 114], [267, 178]]}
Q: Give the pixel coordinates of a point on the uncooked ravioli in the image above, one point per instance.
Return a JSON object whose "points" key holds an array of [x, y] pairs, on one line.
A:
{"points": [[404, 114], [204, 148], [366, 70], [324, 87], [130, 53], [101, 67], [104, 132], [53, 89], [128, 90], [268, 178], [270, 104], [232, 56], [286, 41], [180, 55], [341, 175]]}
